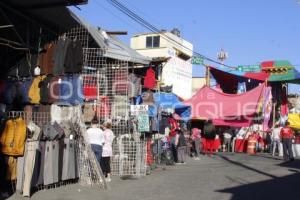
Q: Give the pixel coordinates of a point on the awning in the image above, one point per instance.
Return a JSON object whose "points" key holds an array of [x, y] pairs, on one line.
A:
{"points": [[169, 101], [25, 23], [113, 47], [208, 103]]}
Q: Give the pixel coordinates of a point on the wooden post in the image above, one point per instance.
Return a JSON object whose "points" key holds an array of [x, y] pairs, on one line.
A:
{"points": [[207, 76], [274, 113]]}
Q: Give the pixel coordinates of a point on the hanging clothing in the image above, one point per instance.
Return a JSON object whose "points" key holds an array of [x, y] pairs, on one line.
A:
{"points": [[150, 81], [25, 86], [88, 112], [103, 108], [120, 106], [60, 55], [44, 89], [34, 91], [54, 89], [69, 168], [73, 62], [51, 165], [13, 137], [45, 60], [120, 82], [134, 88], [90, 87], [284, 110]]}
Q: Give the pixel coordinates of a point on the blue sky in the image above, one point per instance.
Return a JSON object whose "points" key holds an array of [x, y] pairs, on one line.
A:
{"points": [[250, 31]]}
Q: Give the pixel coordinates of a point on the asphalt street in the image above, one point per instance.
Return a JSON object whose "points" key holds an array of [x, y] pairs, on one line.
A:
{"points": [[221, 177]]}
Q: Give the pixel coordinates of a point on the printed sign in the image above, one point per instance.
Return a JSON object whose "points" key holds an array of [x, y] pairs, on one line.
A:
{"points": [[197, 60], [178, 73], [249, 68], [139, 109]]}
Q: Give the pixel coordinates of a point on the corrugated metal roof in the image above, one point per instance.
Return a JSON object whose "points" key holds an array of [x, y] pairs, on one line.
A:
{"points": [[114, 48]]}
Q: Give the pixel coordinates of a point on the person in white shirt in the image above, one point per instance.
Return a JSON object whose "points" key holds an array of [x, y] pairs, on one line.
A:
{"points": [[107, 150], [227, 140], [96, 138], [276, 138]]}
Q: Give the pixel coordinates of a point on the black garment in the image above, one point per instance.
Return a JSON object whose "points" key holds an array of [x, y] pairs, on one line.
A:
{"points": [[209, 131], [42, 147], [74, 57], [181, 140], [287, 149], [105, 165], [59, 56], [24, 68], [163, 124], [44, 89], [174, 152]]}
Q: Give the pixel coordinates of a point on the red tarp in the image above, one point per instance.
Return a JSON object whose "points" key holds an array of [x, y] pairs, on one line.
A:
{"points": [[234, 123], [208, 103]]}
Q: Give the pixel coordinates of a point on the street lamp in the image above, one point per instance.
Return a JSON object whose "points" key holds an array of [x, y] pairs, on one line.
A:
{"points": [[222, 56]]}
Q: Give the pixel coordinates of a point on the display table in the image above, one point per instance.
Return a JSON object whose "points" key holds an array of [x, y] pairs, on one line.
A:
{"points": [[240, 146]]}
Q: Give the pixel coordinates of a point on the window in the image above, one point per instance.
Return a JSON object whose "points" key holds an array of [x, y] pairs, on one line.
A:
{"points": [[152, 41]]}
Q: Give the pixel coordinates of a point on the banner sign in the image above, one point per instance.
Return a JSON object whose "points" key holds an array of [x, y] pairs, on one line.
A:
{"points": [[197, 60], [139, 109], [249, 68]]}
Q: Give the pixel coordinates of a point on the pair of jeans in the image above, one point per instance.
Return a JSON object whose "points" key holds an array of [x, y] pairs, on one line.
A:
{"points": [[97, 149], [287, 149], [181, 154], [275, 145], [197, 147]]}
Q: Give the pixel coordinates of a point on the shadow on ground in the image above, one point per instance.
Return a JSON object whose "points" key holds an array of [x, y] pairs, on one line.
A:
{"points": [[286, 187]]}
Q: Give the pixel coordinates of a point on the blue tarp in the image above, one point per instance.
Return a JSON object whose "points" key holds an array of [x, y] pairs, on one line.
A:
{"points": [[169, 101]]}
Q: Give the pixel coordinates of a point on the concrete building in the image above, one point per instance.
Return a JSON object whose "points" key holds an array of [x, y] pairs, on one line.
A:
{"points": [[177, 70], [197, 83]]}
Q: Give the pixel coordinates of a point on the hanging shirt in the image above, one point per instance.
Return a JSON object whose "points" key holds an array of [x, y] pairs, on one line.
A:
{"points": [[45, 60], [73, 62], [150, 81]]}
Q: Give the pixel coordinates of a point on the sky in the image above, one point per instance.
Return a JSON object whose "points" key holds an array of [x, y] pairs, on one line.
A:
{"points": [[250, 31]]}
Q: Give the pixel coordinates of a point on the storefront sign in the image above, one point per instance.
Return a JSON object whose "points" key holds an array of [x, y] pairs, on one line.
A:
{"points": [[139, 109], [178, 73], [143, 123], [249, 68], [197, 60]]}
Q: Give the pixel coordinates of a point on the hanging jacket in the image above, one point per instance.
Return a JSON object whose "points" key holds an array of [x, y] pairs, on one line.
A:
{"points": [[13, 137], [45, 60], [73, 62], [44, 89], [59, 56], [150, 81], [34, 91]]}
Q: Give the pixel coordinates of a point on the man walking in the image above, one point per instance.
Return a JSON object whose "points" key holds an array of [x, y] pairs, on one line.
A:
{"points": [[286, 135], [276, 138]]}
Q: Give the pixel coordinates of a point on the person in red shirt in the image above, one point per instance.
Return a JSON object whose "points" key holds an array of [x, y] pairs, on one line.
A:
{"points": [[286, 135]]}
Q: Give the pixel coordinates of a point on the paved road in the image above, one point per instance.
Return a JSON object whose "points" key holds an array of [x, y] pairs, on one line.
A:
{"points": [[222, 177]]}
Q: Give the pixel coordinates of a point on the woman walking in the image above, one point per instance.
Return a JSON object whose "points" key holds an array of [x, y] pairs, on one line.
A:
{"points": [[107, 150]]}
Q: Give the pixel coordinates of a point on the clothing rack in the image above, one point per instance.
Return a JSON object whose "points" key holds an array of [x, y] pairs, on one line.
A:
{"points": [[39, 118]]}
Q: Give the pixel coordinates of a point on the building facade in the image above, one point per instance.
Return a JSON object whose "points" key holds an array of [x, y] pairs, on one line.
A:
{"points": [[177, 70]]}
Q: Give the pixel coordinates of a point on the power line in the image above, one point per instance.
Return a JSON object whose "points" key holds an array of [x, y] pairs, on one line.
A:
{"points": [[116, 16], [131, 14]]}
